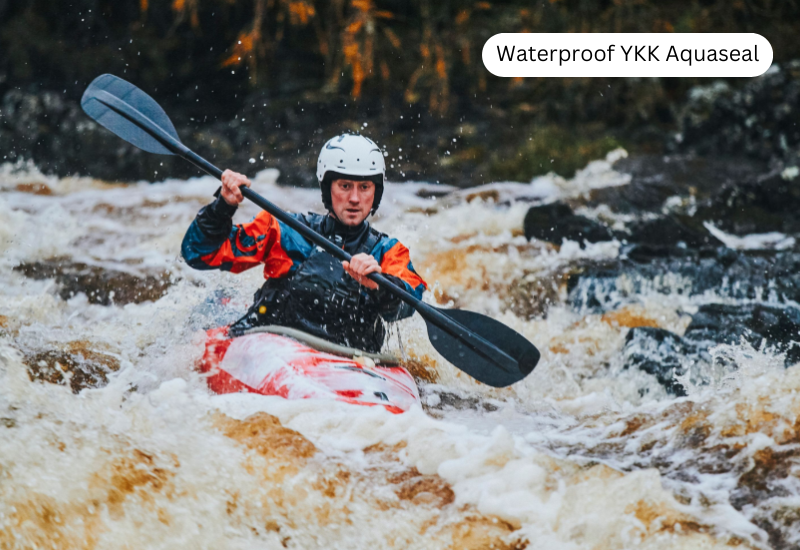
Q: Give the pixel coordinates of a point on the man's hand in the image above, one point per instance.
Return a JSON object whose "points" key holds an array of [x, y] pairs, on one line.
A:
{"points": [[360, 266], [231, 181]]}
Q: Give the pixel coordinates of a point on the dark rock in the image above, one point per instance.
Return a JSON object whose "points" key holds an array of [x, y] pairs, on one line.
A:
{"points": [[62, 139], [596, 288], [532, 294], [101, 286], [555, 222], [776, 326], [427, 193], [665, 354], [643, 253], [738, 195], [76, 365], [765, 204], [448, 401], [758, 120], [674, 197], [756, 275], [672, 230], [658, 352], [656, 178]]}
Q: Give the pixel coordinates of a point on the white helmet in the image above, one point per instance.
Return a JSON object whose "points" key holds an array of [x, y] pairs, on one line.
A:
{"points": [[350, 155]]}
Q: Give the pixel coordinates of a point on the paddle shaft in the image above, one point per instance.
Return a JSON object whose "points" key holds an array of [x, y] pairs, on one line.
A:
{"points": [[431, 314]]}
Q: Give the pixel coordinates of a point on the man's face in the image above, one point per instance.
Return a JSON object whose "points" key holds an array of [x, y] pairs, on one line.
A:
{"points": [[352, 200]]}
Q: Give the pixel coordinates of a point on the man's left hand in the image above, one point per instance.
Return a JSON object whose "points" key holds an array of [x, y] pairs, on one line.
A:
{"points": [[360, 266]]}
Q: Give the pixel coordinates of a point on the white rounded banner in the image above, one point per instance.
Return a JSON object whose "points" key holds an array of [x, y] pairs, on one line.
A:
{"points": [[627, 54]]}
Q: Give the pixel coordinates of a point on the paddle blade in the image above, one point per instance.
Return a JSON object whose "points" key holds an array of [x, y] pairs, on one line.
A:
{"points": [[475, 364], [125, 91]]}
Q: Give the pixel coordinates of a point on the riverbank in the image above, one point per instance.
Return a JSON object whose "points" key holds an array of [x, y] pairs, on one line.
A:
{"points": [[517, 140]]}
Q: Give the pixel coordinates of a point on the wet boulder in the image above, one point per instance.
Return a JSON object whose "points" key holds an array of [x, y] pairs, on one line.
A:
{"points": [[775, 326], [658, 352], [666, 355], [752, 275], [657, 178], [597, 288], [757, 120], [101, 286], [52, 130], [77, 364], [671, 230], [672, 198], [765, 204], [556, 221], [645, 253]]}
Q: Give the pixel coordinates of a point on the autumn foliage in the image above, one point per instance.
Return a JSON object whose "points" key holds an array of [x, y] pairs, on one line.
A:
{"points": [[415, 51], [423, 46]]}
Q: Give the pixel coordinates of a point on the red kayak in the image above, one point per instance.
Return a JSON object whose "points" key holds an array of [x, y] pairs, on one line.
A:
{"points": [[274, 364]]}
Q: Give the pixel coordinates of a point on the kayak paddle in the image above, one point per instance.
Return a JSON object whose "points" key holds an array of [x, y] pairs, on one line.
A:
{"points": [[478, 345]]}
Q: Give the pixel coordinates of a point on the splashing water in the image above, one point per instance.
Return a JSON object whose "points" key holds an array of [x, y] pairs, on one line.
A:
{"points": [[109, 437]]}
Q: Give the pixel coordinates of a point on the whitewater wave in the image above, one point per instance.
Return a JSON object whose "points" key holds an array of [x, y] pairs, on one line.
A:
{"points": [[109, 437]]}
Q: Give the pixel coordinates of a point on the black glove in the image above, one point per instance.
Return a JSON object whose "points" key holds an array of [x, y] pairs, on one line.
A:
{"points": [[214, 219]]}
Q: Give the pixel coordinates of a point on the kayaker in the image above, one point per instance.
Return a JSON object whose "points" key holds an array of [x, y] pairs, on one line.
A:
{"points": [[307, 288]]}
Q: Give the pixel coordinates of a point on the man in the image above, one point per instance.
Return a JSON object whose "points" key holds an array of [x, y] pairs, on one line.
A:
{"points": [[307, 288]]}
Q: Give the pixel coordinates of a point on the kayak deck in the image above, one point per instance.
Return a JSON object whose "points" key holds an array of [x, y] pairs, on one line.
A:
{"points": [[272, 364]]}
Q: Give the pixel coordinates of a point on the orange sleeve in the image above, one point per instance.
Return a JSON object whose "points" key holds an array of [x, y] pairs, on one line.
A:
{"points": [[250, 244], [397, 262]]}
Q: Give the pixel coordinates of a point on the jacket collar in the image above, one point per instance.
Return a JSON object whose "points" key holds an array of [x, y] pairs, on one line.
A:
{"points": [[350, 236]]}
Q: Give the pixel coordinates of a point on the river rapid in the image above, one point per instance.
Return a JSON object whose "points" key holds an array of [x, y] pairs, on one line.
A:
{"points": [[110, 439]]}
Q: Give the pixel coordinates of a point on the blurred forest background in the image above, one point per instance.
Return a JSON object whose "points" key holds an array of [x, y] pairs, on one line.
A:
{"points": [[257, 83]]}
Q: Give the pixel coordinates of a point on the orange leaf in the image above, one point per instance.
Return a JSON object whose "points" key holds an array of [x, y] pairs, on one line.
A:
{"points": [[441, 68], [350, 51], [234, 59], [243, 47], [485, 5], [300, 12], [358, 78], [143, 5], [362, 5], [352, 57], [354, 27], [462, 17], [393, 38], [384, 14], [179, 5]]}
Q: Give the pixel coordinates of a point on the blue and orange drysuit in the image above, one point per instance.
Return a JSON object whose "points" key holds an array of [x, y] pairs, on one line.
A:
{"points": [[306, 287]]}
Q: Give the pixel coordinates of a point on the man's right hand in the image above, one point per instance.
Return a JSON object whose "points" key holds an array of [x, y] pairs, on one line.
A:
{"points": [[231, 181]]}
